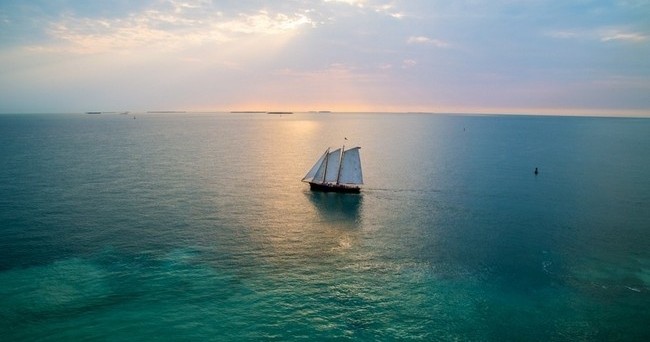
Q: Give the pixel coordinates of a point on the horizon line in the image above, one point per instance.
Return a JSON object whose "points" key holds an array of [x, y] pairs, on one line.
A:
{"points": [[560, 113]]}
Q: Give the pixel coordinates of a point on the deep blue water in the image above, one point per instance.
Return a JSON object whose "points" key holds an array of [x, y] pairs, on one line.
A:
{"points": [[197, 227]]}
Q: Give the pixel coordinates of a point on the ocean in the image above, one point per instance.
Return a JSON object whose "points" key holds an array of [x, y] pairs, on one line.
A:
{"points": [[196, 227]]}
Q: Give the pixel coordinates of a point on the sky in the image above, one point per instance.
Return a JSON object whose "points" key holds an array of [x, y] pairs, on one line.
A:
{"points": [[468, 56]]}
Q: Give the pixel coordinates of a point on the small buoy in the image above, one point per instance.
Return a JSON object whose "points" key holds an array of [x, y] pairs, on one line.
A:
{"points": [[536, 172]]}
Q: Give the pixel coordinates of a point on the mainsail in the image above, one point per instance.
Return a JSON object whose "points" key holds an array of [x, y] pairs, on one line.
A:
{"points": [[333, 164], [351, 167]]}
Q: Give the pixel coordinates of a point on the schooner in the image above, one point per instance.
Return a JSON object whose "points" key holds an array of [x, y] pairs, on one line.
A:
{"points": [[338, 171]]}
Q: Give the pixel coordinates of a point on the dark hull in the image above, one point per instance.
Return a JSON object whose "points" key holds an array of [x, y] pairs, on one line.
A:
{"points": [[334, 188]]}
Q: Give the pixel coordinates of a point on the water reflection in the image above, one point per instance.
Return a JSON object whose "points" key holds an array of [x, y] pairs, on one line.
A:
{"points": [[335, 207]]}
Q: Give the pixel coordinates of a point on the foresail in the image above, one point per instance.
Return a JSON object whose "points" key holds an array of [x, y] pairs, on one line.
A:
{"points": [[319, 177], [312, 173], [333, 162], [351, 167]]}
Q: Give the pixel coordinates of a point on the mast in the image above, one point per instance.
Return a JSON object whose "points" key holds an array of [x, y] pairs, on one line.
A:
{"points": [[338, 174], [327, 157]]}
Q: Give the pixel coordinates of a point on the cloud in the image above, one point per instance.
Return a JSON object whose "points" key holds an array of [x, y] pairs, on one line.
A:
{"points": [[563, 34], [357, 3], [603, 34], [176, 27], [388, 9], [626, 36], [427, 41], [409, 63]]}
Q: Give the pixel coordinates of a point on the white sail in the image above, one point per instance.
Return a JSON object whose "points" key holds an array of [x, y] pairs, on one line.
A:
{"points": [[319, 177], [351, 167], [333, 162], [312, 173]]}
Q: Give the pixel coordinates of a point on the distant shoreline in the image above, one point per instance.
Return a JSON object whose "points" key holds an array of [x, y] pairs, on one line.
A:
{"points": [[576, 115]]}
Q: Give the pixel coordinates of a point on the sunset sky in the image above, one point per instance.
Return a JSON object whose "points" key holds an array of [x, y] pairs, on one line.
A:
{"points": [[500, 56]]}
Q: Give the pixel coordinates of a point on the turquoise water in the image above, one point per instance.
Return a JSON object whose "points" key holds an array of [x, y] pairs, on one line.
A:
{"points": [[197, 227]]}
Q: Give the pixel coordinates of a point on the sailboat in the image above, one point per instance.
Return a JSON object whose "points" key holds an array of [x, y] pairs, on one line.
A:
{"points": [[337, 171]]}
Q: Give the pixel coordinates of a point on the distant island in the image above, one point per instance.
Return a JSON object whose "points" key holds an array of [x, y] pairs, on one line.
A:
{"points": [[247, 111], [279, 112], [97, 112]]}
